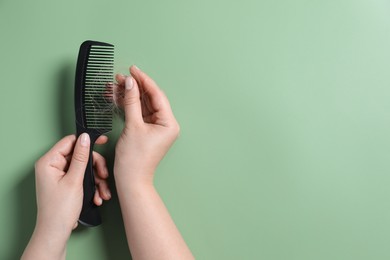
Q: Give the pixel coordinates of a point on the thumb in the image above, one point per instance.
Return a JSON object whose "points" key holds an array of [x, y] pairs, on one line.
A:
{"points": [[79, 159], [132, 102]]}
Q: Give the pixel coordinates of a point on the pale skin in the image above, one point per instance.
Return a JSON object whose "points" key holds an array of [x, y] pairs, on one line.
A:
{"points": [[150, 130]]}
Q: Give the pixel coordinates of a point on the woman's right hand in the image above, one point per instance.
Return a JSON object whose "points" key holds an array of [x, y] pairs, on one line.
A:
{"points": [[150, 126]]}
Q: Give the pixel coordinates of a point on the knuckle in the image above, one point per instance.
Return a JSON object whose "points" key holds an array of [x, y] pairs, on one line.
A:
{"points": [[147, 81], [131, 100], [80, 157], [132, 126], [178, 128], [175, 130], [39, 164]]}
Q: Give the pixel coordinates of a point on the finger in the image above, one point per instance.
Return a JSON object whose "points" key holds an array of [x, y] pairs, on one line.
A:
{"points": [[59, 162], [100, 165], [102, 139], [64, 147], [79, 159], [101, 174], [147, 108], [104, 190], [58, 154], [120, 79], [75, 225], [132, 103], [157, 98], [97, 199]]}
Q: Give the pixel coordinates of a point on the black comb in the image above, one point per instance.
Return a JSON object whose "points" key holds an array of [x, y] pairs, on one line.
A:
{"points": [[93, 92]]}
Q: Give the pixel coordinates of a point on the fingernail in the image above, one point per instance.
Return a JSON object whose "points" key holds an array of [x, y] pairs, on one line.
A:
{"points": [[135, 67], [120, 75], [108, 194], [100, 201], [85, 140], [129, 83]]}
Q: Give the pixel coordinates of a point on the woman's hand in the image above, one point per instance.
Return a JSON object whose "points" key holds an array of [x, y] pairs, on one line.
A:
{"points": [[150, 129], [150, 126], [59, 178]]}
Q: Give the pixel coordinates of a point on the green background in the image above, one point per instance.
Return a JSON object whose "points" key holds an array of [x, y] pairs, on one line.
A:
{"points": [[284, 109]]}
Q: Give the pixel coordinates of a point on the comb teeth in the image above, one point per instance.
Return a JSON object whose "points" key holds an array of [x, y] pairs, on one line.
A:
{"points": [[98, 88]]}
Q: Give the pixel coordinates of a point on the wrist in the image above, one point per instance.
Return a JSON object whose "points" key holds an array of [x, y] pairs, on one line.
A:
{"points": [[59, 234], [130, 190], [133, 173], [46, 244]]}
